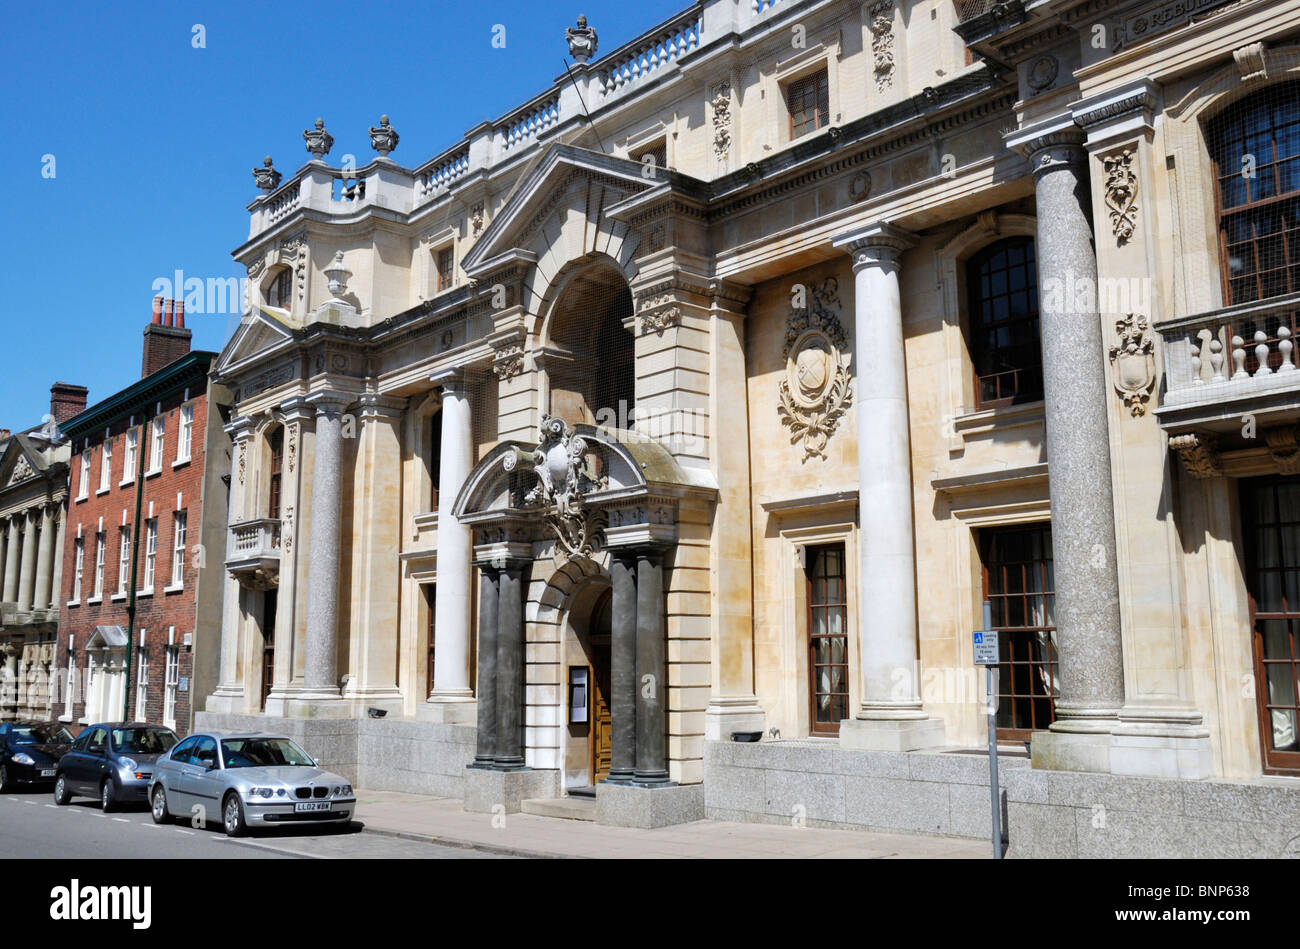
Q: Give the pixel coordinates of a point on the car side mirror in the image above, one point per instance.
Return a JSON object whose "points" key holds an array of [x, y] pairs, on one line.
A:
{"points": [[209, 766]]}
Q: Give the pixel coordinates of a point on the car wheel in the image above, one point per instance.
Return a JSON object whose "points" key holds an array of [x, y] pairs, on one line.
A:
{"points": [[158, 805], [232, 816], [61, 795], [4, 779], [107, 799]]}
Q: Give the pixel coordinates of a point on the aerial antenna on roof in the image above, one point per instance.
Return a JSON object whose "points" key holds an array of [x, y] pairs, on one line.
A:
{"points": [[584, 106]]}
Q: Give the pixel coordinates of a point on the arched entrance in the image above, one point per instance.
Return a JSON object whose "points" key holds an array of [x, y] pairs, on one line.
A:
{"points": [[588, 752]]}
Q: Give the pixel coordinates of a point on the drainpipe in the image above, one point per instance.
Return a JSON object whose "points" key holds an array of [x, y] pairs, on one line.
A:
{"points": [[135, 560]]}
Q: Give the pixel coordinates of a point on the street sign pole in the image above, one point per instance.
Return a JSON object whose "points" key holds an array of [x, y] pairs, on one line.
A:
{"points": [[986, 654]]}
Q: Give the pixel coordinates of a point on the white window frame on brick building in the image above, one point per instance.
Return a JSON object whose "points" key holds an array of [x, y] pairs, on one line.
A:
{"points": [[72, 682], [150, 553], [83, 490], [141, 683], [105, 467], [171, 684], [185, 435], [124, 562], [90, 682], [100, 542], [157, 435], [178, 551], [131, 444], [79, 569]]}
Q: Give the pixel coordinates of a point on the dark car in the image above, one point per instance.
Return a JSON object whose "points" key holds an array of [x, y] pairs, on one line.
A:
{"points": [[112, 761], [30, 752]]}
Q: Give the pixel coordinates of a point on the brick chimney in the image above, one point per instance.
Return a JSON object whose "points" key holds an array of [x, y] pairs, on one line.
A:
{"points": [[67, 400], [164, 342]]}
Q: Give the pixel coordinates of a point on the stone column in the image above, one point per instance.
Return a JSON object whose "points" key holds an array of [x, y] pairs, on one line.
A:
{"points": [[322, 679], [452, 606], [27, 571], [44, 559], [11, 562], [1078, 442], [4, 552], [56, 585], [229, 693], [622, 674], [890, 717], [651, 676], [489, 587], [510, 668]]}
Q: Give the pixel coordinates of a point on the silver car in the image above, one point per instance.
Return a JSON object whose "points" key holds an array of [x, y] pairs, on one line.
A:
{"points": [[251, 780]]}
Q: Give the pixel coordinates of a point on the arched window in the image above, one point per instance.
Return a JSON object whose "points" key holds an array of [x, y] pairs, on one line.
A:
{"points": [[280, 291], [591, 363], [435, 456], [1002, 293], [1255, 145]]}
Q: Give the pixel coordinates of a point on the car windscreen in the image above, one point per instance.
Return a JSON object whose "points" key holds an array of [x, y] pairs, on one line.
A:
{"points": [[143, 741], [39, 735], [263, 752]]}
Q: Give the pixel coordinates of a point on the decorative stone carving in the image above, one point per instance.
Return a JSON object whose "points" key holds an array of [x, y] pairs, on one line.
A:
{"points": [[816, 390], [720, 99], [659, 320], [508, 362], [1199, 454], [293, 448], [22, 470], [267, 178], [582, 40], [1121, 193], [882, 42], [319, 142], [1252, 61], [1042, 73], [565, 472], [256, 267], [859, 186], [1284, 446], [1133, 363], [286, 530], [476, 220], [383, 137], [243, 455]]}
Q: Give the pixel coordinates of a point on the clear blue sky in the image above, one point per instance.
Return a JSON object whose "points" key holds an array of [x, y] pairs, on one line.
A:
{"points": [[154, 142]]}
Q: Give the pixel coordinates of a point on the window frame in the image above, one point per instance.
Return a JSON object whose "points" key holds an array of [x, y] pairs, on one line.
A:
{"points": [[821, 107], [185, 434], [105, 465], [150, 554], [79, 567], [130, 445], [142, 687], [975, 329], [157, 444], [441, 285], [84, 490], [124, 560], [101, 545], [171, 682], [815, 727], [179, 523]]}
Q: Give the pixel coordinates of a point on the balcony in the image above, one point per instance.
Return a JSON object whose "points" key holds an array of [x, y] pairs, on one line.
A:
{"points": [[253, 553], [1229, 364]]}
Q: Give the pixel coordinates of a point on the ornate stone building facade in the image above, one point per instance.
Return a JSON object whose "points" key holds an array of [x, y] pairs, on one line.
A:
{"points": [[33, 493], [594, 443]]}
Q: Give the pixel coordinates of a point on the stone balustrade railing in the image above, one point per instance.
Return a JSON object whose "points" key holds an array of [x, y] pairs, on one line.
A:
{"points": [[255, 538], [529, 122], [443, 170], [649, 54], [1231, 353]]}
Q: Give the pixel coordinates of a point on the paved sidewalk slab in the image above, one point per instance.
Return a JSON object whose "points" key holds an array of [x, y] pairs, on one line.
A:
{"points": [[442, 819]]}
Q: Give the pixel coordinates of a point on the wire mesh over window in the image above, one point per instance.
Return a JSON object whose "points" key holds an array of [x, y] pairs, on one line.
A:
{"points": [[1020, 588], [280, 292], [446, 269], [1002, 288], [808, 100], [1271, 521], [592, 363], [828, 639], [1255, 145]]}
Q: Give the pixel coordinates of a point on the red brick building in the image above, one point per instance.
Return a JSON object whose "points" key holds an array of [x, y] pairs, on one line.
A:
{"points": [[140, 617]]}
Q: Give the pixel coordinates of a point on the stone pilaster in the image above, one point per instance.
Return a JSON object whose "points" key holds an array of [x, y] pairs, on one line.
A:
{"points": [[623, 651], [229, 693], [451, 697], [27, 571], [1078, 449], [489, 586], [322, 677], [890, 718], [298, 417], [56, 555], [11, 562], [44, 559]]}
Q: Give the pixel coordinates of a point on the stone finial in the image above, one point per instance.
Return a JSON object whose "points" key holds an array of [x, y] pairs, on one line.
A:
{"points": [[383, 137], [338, 276], [582, 40], [319, 141], [267, 178]]}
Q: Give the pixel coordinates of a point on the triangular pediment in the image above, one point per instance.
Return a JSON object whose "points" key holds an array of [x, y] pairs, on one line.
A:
{"points": [[564, 176], [20, 463], [260, 333]]}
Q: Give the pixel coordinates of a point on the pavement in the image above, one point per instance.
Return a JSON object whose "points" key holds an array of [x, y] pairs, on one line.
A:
{"points": [[442, 821]]}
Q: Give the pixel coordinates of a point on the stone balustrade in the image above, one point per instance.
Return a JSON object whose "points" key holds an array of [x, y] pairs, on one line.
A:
{"points": [[253, 552], [649, 54], [1227, 357]]}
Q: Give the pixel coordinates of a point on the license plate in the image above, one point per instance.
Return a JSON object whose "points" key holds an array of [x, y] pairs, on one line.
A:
{"points": [[312, 806], [47, 773]]}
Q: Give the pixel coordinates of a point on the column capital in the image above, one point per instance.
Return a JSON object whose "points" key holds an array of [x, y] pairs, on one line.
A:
{"points": [[239, 426], [875, 245], [454, 379], [296, 408], [1050, 144], [376, 406], [1123, 114], [328, 402]]}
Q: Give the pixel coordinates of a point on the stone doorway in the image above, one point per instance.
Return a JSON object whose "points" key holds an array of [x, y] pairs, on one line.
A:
{"points": [[601, 734]]}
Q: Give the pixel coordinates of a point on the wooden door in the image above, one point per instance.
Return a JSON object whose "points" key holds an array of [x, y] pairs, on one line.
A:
{"points": [[268, 643], [600, 722]]}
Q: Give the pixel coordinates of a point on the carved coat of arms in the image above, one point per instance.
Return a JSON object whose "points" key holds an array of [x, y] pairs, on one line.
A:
{"points": [[1133, 362], [816, 390], [565, 469]]}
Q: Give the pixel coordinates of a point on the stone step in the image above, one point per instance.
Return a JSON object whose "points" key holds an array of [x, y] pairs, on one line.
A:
{"points": [[568, 808]]}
